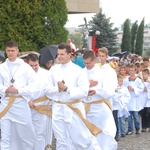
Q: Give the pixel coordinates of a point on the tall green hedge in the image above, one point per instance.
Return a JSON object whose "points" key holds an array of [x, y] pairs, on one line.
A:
{"points": [[126, 37], [33, 24]]}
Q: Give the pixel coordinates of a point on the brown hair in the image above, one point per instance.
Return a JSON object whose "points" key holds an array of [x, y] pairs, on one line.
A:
{"points": [[146, 59], [123, 67], [145, 71], [11, 44], [146, 64], [65, 46], [89, 54], [138, 65], [32, 57], [133, 66]]}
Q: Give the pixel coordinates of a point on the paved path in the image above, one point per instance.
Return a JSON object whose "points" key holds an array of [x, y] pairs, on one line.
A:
{"points": [[131, 142], [135, 142]]}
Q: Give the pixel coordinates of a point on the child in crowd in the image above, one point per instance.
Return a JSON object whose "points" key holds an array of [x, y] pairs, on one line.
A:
{"points": [[138, 70], [145, 113], [122, 72], [141, 69], [135, 87], [120, 101]]}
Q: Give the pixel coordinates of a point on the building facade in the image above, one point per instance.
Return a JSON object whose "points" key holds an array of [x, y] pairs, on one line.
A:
{"points": [[146, 44], [82, 6], [146, 39]]}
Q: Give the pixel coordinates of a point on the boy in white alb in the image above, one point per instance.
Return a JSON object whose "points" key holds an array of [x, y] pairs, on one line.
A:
{"points": [[145, 113], [120, 100], [135, 87], [108, 75]]}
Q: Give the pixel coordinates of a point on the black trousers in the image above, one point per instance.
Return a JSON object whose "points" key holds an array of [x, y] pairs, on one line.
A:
{"points": [[145, 117], [115, 114]]}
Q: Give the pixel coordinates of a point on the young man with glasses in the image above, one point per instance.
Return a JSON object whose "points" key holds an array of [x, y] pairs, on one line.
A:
{"points": [[98, 108]]}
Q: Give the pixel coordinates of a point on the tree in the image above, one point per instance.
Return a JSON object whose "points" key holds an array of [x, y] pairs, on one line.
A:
{"points": [[126, 37], [133, 36], [33, 24], [107, 37], [139, 39]]}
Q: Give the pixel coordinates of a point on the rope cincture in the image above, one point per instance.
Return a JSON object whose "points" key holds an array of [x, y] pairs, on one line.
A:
{"points": [[92, 128], [11, 101], [87, 105], [43, 109]]}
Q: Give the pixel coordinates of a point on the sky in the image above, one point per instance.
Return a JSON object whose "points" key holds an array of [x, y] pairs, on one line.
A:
{"points": [[118, 10]]}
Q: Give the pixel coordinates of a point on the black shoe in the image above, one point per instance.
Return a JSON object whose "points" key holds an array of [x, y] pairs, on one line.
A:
{"points": [[117, 138], [129, 132], [123, 135], [137, 131]]}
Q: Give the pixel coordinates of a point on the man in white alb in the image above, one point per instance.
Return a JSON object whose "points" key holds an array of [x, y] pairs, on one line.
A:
{"points": [[67, 85], [98, 108], [42, 123], [17, 87]]}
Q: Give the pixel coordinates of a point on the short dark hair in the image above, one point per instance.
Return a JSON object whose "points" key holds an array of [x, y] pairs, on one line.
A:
{"points": [[89, 54], [65, 46], [32, 57], [146, 59], [145, 71], [137, 64], [11, 44]]}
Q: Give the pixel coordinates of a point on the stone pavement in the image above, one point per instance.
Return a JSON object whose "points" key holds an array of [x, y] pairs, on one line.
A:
{"points": [[131, 142], [135, 142]]}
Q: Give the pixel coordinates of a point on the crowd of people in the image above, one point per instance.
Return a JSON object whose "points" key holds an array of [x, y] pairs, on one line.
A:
{"points": [[135, 103], [84, 107]]}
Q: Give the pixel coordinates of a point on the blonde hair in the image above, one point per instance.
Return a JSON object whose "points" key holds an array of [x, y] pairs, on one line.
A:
{"points": [[133, 66], [103, 50], [119, 77]]}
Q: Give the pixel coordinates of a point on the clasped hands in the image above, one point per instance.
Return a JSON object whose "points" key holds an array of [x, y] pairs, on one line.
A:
{"points": [[61, 86], [92, 83], [12, 90], [130, 88], [145, 89]]}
